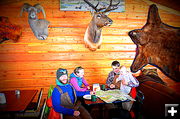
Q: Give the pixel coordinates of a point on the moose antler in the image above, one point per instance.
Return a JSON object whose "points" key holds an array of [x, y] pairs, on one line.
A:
{"points": [[94, 7], [109, 8], [39, 9], [25, 8]]}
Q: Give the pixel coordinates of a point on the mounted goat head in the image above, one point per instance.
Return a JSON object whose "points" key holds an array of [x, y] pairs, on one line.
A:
{"points": [[92, 37], [38, 26]]}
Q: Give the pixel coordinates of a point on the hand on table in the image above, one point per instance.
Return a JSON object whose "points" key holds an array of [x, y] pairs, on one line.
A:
{"points": [[112, 86], [76, 113], [92, 93], [124, 82], [88, 87]]}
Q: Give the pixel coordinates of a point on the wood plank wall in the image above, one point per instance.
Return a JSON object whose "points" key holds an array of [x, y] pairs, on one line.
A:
{"points": [[31, 63]]}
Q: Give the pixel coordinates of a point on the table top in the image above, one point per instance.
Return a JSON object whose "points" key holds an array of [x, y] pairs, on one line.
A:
{"points": [[17, 102], [99, 101]]}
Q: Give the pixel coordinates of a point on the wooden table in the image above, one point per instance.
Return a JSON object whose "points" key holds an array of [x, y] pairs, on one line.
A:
{"points": [[99, 101], [100, 109], [17, 103]]}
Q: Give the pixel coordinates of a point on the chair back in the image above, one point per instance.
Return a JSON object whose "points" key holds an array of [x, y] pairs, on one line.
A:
{"points": [[42, 110], [140, 97], [133, 92], [39, 98], [49, 102]]}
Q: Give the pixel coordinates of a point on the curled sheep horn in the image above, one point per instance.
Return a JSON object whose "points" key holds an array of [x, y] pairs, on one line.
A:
{"points": [[39, 9], [25, 8]]}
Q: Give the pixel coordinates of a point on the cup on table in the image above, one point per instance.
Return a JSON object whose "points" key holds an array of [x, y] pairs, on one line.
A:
{"points": [[93, 98], [17, 92], [2, 98], [103, 87]]}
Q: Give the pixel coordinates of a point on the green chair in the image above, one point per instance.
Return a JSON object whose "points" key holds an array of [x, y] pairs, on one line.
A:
{"points": [[47, 109]]}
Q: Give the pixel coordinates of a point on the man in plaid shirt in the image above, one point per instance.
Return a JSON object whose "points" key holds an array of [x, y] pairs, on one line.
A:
{"points": [[113, 74], [116, 74]]}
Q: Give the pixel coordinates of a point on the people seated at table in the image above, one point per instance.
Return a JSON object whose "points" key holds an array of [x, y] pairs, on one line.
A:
{"points": [[111, 79], [127, 84], [64, 98], [121, 79], [77, 79]]}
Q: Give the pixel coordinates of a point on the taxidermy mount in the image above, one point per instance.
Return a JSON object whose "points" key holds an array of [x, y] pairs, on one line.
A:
{"points": [[38, 26], [157, 44], [9, 31], [92, 37]]}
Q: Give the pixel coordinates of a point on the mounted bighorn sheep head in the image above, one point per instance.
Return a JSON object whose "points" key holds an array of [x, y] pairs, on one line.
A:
{"points": [[38, 26], [92, 37]]}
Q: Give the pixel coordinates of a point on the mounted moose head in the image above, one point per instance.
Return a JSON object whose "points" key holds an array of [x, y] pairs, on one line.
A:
{"points": [[38, 26], [157, 44], [92, 37]]}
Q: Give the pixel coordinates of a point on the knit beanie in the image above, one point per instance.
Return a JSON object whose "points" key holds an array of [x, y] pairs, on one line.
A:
{"points": [[61, 72]]}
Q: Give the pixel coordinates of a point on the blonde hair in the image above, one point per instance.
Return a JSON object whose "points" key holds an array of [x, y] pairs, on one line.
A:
{"points": [[122, 66], [123, 69]]}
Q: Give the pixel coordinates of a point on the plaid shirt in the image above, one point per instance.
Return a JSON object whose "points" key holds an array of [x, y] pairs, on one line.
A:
{"points": [[110, 78], [112, 74], [132, 82]]}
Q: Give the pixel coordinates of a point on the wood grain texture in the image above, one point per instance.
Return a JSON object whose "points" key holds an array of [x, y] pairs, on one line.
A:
{"points": [[31, 63]]}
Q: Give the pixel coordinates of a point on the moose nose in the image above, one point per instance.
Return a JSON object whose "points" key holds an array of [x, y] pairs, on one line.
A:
{"points": [[132, 33]]}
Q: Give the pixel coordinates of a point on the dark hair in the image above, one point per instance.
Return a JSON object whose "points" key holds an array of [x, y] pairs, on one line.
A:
{"points": [[115, 63], [76, 70], [61, 72]]}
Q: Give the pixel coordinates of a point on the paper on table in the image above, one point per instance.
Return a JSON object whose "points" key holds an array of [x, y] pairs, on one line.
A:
{"points": [[113, 95]]}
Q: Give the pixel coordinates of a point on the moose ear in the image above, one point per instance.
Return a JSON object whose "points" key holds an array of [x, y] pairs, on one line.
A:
{"points": [[153, 15], [92, 12]]}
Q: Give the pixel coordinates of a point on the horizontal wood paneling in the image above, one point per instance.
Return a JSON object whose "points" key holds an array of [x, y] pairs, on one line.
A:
{"points": [[66, 56], [31, 63], [63, 48], [56, 64]]}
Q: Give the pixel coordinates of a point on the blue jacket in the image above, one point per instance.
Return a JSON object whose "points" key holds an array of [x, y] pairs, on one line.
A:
{"points": [[79, 79], [56, 100]]}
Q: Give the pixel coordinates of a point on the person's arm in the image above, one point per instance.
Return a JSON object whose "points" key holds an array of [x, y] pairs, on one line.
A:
{"points": [[110, 78], [74, 82], [80, 93], [133, 81], [56, 102], [85, 82], [117, 81]]}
